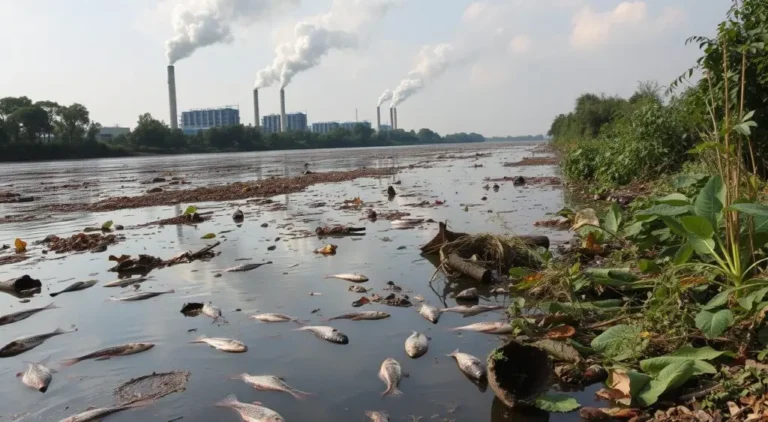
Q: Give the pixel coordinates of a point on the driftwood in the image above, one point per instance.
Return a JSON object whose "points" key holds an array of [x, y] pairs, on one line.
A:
{"points": [[446, 236], [469, 268], [22, 286]]}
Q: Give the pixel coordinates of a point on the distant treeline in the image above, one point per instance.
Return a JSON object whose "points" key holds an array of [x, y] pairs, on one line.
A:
{"points": [[516, 138], [48, 131]]}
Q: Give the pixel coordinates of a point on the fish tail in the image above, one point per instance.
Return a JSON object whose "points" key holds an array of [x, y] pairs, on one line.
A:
{"points": [[453, 353], [228, 401], [139, 403], [69, 362], [200, 339], [54, 294], [392, 390], [301, 322], [51, 306], [238, 376], [299, 395], [64, 331]]}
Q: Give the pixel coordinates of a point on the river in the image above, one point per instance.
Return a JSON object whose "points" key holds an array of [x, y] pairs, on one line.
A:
{"points": [[342, 378]]}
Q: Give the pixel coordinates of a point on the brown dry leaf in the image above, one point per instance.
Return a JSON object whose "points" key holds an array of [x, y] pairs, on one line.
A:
{"points": [[733, 408], [692, 281], [609, 394], [561, 332], [21, 246], [619, 380], [327, 249], [620, 413], [747, 401], [122, 258], [591, 244]]}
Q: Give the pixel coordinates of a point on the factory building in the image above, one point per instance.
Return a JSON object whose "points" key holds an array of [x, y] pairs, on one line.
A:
{"points": [[324, 127], [350, 126], [194, 121], [296, 122]]}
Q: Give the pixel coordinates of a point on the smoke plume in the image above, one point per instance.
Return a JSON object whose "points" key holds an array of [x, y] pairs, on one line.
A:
{"points": [[432, 62], [201, 23], [386, 96], [314, 38]]}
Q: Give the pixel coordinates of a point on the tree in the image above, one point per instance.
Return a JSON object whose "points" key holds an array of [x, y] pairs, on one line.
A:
{"points": [[52, 108], [150, 132], [73, 122], [93, 132], [427, 136], [9, 105], [647, 90], [31, 120]]}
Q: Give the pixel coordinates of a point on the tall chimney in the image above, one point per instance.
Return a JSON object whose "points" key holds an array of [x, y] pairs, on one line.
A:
{"points": [[396, 127], [378, 119], [283, 118], [392, 117], [256, 108], [172, 97]]}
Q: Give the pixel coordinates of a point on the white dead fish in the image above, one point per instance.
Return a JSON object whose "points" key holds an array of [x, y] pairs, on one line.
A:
{"points": [[125, 282], [391, 373], [357, 288], [472, 310], [224, 344], [102, 412], [139, 296], [416, 345], [21, 345], [471, 366], [469, 294], [315, 294], [355, 278], [273, 318], [212, 311], [326, 333], [271, 383], [362, 316], [429, 312], [22, 315], [488, 328], [377, 416], [110, 352], [37, 376], [250, 412], [245, 267], [406, 224], [80, 285]]}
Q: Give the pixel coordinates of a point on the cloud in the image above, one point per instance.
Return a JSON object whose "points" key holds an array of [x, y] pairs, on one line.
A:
{"points": [[483, 75], [591, 29], [476, 11], [520, 44], [671, 17]]}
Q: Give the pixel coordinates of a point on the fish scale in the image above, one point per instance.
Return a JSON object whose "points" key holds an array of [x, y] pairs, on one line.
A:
{"points": [[21, 345], [469, 365], [362, 316], [250, 412], [37, 376], [121, 350], [22, 315], [271, 383], [391, 373]]}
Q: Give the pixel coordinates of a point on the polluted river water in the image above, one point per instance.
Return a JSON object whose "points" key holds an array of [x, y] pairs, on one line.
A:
{"points": [[342, 379]]}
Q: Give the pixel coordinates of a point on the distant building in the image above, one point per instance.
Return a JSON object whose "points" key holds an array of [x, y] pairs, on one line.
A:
{"points": [[324, 127], [107, 134], [385, 128], [194, 121], [350, 126], [297, 122]]}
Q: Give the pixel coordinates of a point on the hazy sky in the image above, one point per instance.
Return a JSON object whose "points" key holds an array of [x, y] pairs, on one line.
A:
{"points": [[514, 64]]}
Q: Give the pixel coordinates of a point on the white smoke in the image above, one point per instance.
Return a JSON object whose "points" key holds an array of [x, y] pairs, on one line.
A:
{"points": [[386, 96], [315, 37], [201, 23], [432, 62]]}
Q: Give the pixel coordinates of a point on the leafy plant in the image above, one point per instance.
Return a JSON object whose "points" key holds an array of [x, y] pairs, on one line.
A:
{"points": [[557, 402], [190, 210]]}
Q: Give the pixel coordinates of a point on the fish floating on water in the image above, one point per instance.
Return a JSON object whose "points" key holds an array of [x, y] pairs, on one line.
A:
{"points": [[377, 416], [362, 316], [271, 318], [21, 345], [355, 278], [22, 315], [250, 412], [358, 289], [224, 344], [37, 376], [140, 296], [472, 310], [469, 294], [80, 285], [102, 412], [416, 345], [391, 373], [271, 383], [214, 312], [471, 366], [125, 282], [326, 333], [245, 267], [429, 312], [488, 328], [110, 352]]}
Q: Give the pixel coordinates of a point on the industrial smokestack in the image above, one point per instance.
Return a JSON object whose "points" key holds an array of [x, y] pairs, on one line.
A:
{"points": [[392, 118], [283, 118], [378, 119], [172, 97], [395, 109], [256, 108]]}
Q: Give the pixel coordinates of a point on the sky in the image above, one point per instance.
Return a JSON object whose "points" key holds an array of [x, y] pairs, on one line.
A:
{"points": [[507, 67]]}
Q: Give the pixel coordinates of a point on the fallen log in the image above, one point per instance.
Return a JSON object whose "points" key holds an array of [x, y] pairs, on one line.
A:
{"points": [[446, 236], [469, 268]]}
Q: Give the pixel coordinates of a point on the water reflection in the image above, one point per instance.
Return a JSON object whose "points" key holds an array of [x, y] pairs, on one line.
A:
{"points": [[502, 413]]}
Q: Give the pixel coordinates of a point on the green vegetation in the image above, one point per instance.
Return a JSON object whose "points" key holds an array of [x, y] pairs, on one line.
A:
{"points": [[47, 131]]}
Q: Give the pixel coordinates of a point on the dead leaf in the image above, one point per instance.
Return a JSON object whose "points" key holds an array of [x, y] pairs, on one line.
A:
{"points": [[585, 217], [591, 244], [122, 258], [619, 380], [561, 332], [692, 281], [620, 413], [21, 246], [609, 394], [327, 249], [733, 408]]}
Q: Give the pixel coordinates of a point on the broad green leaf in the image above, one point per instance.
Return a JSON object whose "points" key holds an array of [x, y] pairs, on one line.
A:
{"points": [[760, 224], [674, 199], [686, 180], [664, 210], [703, 247], [557, 402], [742, 128], [209, 236], [670, 378], [648, 266], [107, 225], [190, 210], [613, 219], [709, 203], [702, 353], [620, 342], [519, 272], [719, 300], [675, 226], [714, 324], [655, 365], [757, 210], [748, 301], [697, 226], [612, 276], [683, 254], [635, 228]]}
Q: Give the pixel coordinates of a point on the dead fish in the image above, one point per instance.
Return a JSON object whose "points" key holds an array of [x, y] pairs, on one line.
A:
{"points": [[377, 416], [271, 383], [140, 296], [419, 298], [429, 312], [273, 318], [391, 374], [22, 315], [213, 311], [315, 294], [472, 310], [499, 291], [37, 376], [245, 267], [223, 344], [469, 294], [326, 333], [102, 412], [80, 285], [357, 289], [416, 345], [488, 328], [110, 352], [355, 278], [362, 316], [471, 366], [328, 249], [125, 282], [250, 412], [21, 345]]}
